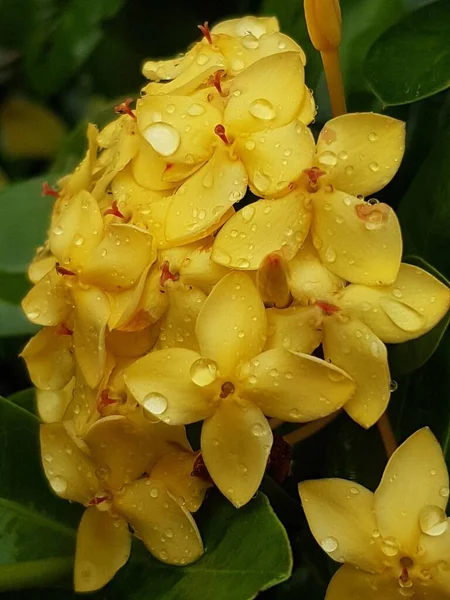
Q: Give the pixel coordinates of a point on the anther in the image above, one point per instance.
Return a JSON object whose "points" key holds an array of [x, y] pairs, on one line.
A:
{"points": [[63, 271], [166, 274], [48, 190], [97, 500], [199, 469], [327, 308], [63, 330], [216, 81], [227, 389], [124, 108], [219, 130], [114, 210], [206, 31], [313, 174], [104, 401], [280, 457]]}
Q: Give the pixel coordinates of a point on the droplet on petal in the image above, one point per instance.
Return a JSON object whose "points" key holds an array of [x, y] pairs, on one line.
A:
{"points": [[203, 372], [59, 484], [329, 544], [389, 546], [433, 521], [163, 138], [262, 109], [155, 403]]}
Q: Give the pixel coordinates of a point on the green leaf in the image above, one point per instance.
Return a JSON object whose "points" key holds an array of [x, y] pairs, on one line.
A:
{"points": [[25, 399], [411, 60], [37, 529], [247, 550], [13, 287], [55, 54], [424, 211]]}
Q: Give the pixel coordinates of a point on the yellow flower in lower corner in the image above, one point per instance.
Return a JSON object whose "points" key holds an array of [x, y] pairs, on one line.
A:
{"points": [[233, 384], [395, 543], [114, 471]]}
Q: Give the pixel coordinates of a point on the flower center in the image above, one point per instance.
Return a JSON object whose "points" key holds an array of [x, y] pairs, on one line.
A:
{"points": [[226, 389], [219, 130]]}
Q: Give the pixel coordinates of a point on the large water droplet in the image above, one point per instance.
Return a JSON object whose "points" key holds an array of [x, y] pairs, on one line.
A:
{"points": [[59, 484], [250, 42], [154, 492], [389, 546], [262, 109], [196, 109], [163, 138], [261, 181], [327, 158], [247, 213], [433, 521], [329, 544], [258, 429], [203, 372], [155, 403]]}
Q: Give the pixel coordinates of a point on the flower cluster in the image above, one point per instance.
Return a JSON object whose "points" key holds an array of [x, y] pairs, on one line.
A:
{"points": [[162, 305]]}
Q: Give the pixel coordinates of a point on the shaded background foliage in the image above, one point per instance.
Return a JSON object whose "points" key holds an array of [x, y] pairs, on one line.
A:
{"points": [[66, 62]]}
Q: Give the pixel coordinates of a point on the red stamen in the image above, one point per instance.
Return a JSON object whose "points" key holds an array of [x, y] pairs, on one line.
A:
{"points": [[124, 108], [63, 330], [216, 81], [219, 130], [166, 275], [327, 308], [313, 175], [199, 469], [114, 211], [48, 190], [62, 270], [280, 457], [404, 576], [104, 401], [168, 167], [97, 500], [205, 31]]}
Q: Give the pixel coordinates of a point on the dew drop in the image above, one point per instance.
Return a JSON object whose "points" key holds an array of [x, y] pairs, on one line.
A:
{"points": [[329, 544], [221, 257], [57, 230], [196, 109], [250, 42], [444, 492], [78, 240], [203, 372], [237, 65], [261, 181], [247, 213], [59, 484], [243, 263], [389, 546], [375, 349], [262, 109], [330, 254], [33, 314], [202, 59], [163, 138], [397, 293], [349, 170], [154, 493], [393, 386], [155, 403], [372, 137], [163, 555], [433, 521], [327, 158], [250, 144], [258, 430], [374, 166]]}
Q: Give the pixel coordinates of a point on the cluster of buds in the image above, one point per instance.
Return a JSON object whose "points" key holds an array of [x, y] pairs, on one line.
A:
{"points": [[164, 302]]}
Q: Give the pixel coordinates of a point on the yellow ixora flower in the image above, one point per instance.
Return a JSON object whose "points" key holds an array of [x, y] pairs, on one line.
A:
{"points": [[355, 156], [395, 543], [125, 472], [352, 322], [232, 384]]}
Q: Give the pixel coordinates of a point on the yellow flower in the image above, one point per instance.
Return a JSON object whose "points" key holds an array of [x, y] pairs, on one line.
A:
{"points": [[356, 155], [232, 384], [111, 471], [354, 322], [395, 542]]}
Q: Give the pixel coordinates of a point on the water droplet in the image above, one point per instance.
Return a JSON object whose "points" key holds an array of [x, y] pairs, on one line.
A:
{"points": [[374, 166], [250, 144], [48, 457], [375, 349], [154, 492], [241, 334], [444, 492], [262, 109], [389, 546], [349, 170], [220, 256], [330, 254], [196, 109], [243, 263], [237, 64], [202, 59], [163, 555], [171, 108], [343, 155], [163, 138], [247, 213], [33, 314], [203, 372], [327, 158], [347, 201], [59, 484], [393, 386], [155, 403], [102, 472], [258, 429], [57, 230], [250, 42], [372, 137], [354, 491], [329, 544], [433, 521], [397, 293]]}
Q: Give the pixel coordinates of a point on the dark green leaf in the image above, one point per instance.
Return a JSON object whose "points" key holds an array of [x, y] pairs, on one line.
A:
{"points": [[26, 399], [54, 56], [411, 60], [27, 216], [13, 287], [424, 212], [37, 534]]}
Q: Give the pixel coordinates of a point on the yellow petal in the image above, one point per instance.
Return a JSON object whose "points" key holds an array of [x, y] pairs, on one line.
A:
{"points": [[408, 308], [308, 109], [91, 317], [124, 304], [148, 168], [256, 26], [352, 346], [296, 328], [49, 359], [132, 343], [51, 404], [276, 158], [435, 549], [295, 387], [81, 411], [309, 279], [201, 202], [353, 584], [175, 470], [361, 151], [81, 178], [267, 94], [231, 326], [178, 324], [154, 301], [261, 228], [415, 476], [119, 260], [197, 268], [70, 471], [236, 443], [341, 517], [164, 438], [103, 547], [167, 529], [41, 264], [161, 382], [48, 303], [177, 128], [272, 281], [364, 249], [120, 450]]}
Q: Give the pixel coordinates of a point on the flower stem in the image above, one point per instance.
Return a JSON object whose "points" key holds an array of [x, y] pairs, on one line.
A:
{"points": [[387, 435], [306, 431], [333, 74]]}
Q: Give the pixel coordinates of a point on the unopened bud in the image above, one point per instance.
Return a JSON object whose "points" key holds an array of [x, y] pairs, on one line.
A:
{"points": [[323, 19]]}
